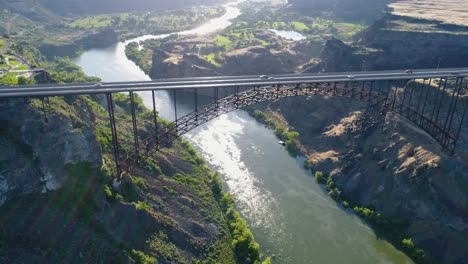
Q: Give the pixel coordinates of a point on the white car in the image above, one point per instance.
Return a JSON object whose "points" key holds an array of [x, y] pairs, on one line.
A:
{"points": [[263, 77], [97, 84], [351, 77]]}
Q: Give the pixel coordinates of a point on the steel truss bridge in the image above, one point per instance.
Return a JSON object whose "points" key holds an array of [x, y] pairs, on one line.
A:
{"points": [[434, 100]]}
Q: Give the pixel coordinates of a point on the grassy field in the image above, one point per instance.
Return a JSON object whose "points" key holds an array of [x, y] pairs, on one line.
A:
{"points": [[300, 26], [211, 58], [346, 31], [9, 79], [97, 21], [224, 42], [447, 11], [170, 20], [16, 65]]}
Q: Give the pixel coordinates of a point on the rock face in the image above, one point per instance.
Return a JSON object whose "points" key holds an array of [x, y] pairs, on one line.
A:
{"points": [[387, 163], [410, 49], [259, 60], [187, 65], [253, 60], [34, 153], [383, 46]]}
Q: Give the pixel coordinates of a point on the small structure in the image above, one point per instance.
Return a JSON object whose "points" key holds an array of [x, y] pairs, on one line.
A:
{"points": [[2, 73]]}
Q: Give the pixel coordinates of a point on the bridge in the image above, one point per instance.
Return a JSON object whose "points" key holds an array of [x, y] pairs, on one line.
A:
{"points": [[435, 100]]}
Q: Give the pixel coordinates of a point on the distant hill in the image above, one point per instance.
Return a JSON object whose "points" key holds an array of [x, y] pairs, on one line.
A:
{"points": [[91, 7], [355, 10]]}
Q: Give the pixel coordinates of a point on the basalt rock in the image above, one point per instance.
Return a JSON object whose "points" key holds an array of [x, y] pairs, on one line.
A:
{"points": [[36, 147], [387, 163]]}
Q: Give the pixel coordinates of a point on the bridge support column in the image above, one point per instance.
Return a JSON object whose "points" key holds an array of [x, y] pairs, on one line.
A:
{"points": [[216, 101], [426, 97], [438, 92], [453, 104], [175, 112], [370, 92], [195, 95], [155, 120], [135, 127], [420, 94], [443, 94], [115, 142], [457, 136]]}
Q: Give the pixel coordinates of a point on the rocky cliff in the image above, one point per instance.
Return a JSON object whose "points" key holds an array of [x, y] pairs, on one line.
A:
{"points": [[387, 45], [386, 163], [58, 203], [37, 147], [247, 61], [165, 65]]}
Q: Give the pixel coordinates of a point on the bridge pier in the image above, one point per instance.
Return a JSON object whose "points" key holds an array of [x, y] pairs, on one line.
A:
{"points": [[115, 142], [155, 119], [136, 142]]}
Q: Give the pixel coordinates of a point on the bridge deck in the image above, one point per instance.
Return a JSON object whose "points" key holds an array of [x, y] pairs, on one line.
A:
{"points": [[223, 81]]}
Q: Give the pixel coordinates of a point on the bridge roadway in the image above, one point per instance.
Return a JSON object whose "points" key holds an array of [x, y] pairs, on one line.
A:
{"points": [[224, 81]]}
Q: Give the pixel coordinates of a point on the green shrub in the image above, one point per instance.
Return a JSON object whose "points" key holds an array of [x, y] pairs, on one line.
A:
{"points": [[330, 184], [226, 202], [293, 135], [110, 195], [170, 190], [129, 191], [142, 206], [319, 178], [141, 258], [308, 164], [216, 186], [280, 133], [335, 194], [25, 81], [243, 243], [139, 182]]}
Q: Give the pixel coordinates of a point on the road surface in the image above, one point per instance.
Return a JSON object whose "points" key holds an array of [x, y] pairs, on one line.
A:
{"points": [[226, 81]]}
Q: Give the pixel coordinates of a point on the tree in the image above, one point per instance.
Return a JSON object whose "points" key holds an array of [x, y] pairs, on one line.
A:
{"points": [[25, 81]]}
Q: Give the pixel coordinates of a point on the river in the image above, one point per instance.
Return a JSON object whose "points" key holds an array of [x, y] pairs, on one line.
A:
{"points": [[290, 215]]}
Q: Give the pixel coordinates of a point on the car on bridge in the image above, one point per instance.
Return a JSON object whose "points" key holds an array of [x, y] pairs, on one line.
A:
{"points": [[351, 76], [409, 71]]}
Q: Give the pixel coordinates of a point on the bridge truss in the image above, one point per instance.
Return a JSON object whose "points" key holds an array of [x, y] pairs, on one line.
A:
{"points": [[436, 103]]}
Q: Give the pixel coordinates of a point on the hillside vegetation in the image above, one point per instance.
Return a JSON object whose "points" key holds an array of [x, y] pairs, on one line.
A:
{"points": [[62, 206]]}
